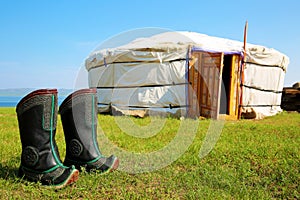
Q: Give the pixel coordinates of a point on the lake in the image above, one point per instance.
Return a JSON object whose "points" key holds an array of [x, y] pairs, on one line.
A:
{"points": [[12, 101]]}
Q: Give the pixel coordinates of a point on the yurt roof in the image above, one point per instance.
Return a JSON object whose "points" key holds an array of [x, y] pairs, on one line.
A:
{"points": [[170, 42]]}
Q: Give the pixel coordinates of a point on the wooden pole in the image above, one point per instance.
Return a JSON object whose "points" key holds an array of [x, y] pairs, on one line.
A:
{"points": [[242, 69]]}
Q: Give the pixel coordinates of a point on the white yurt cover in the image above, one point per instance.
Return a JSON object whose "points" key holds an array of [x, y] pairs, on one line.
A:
{"points": [[151, 73]]}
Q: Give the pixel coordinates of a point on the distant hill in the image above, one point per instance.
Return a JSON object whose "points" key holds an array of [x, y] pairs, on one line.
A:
{"points": [[24, 91]]}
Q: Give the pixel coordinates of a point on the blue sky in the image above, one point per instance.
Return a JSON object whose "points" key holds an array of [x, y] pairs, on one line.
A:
{"points": [[43, 44]]}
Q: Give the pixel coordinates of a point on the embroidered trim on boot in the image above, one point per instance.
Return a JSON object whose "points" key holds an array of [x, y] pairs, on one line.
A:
{"points": [[102, 164]]}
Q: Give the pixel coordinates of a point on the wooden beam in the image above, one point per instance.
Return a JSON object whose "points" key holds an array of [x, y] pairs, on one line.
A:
{"points": [[242, 70]]}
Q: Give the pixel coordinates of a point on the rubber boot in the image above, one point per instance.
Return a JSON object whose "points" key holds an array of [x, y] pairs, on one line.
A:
{"points": [[79, 119], [40, 160]]}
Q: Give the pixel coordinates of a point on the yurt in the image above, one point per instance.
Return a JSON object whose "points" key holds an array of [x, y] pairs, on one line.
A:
{"points": [[188, 74]]}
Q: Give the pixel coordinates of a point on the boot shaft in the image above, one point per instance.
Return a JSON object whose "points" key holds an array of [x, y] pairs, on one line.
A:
{"points": [[37, 117], [79, 119]]}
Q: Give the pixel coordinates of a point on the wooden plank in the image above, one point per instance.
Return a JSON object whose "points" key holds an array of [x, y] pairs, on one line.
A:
{"points": [[212, 61], [242, 71], [233, 86], [199, 63], [190, 89], [193, 76], [220, 71]]}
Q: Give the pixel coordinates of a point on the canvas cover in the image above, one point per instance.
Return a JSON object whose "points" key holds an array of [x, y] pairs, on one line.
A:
{"points": [[151, 73]]}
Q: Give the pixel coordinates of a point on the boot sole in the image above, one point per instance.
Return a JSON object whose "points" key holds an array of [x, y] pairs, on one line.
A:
{"points": [[70, 180], [115, 165], [79, 167]]}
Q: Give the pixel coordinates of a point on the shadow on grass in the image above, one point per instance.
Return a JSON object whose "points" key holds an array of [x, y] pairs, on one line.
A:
{"points": [[8, 170]]}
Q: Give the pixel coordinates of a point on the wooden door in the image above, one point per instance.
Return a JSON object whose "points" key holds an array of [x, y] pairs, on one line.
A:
{"points": [[234, 86], [205, 73]]}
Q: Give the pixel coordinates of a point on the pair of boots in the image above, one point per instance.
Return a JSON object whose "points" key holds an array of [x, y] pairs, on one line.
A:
{"points": [[40, 159]]}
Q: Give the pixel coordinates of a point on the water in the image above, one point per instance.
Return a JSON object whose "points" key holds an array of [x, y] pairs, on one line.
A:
{"points": [[9, 101], [12, 101]]}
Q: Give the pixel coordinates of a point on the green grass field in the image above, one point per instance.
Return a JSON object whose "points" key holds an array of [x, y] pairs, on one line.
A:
{"points": [[253, 159]]}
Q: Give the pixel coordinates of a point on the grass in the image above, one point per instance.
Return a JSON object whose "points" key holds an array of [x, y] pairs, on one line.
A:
{"points": [[253, 159]]}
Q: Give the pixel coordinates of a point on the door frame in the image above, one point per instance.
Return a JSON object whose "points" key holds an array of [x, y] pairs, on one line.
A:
{"points": [[198, 81], [204, 77]]}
